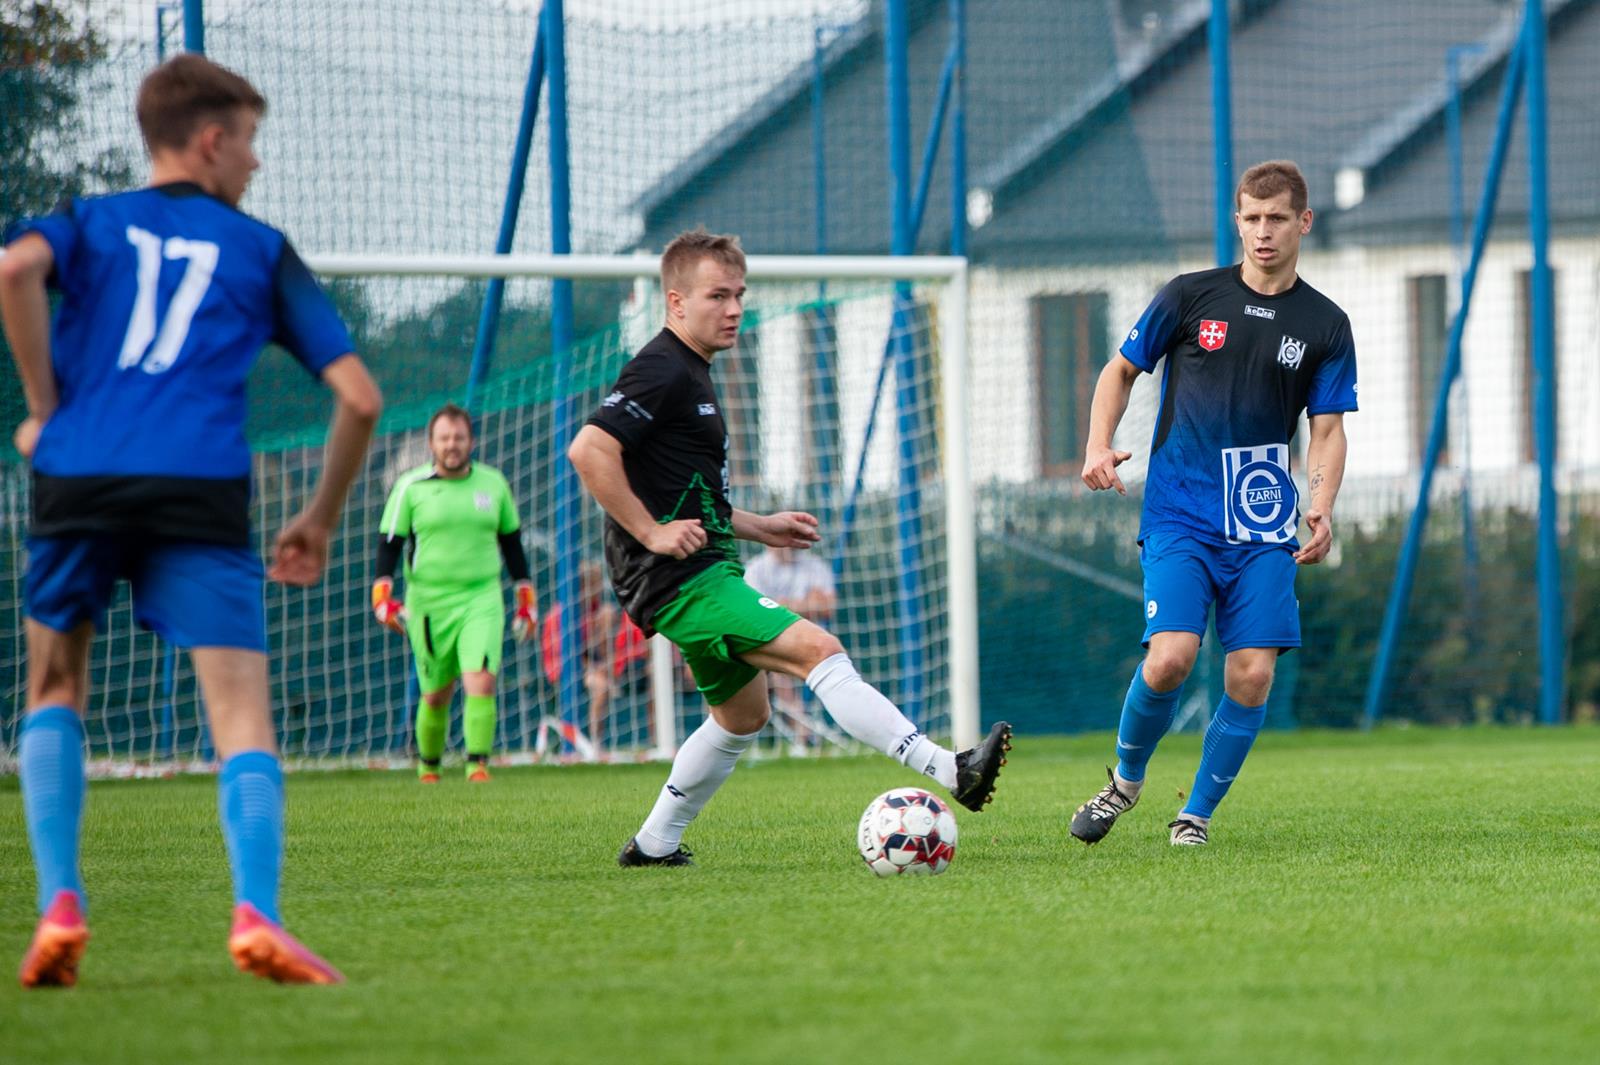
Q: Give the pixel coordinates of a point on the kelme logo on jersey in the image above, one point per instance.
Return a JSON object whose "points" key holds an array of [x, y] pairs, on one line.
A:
{"points": [[1291, 351], [708, 408], [612, 400], [483, 500], [1260, 312], [1212, 334], [1260, 500]]}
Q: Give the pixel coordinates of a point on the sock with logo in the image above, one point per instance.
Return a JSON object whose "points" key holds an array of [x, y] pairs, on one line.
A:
{"points": [[1233, 729], [51, 765], [477, 722], [868, 715], [250, 806], [1146, 716], [704, 761]]}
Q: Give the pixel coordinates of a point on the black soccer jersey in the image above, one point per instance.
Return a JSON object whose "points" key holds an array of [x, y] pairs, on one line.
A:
{"points": [[664, 411], [1241, 366]]}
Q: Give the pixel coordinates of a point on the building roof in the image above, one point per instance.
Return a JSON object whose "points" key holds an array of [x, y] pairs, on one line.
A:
{"points": [[1092, 138]]}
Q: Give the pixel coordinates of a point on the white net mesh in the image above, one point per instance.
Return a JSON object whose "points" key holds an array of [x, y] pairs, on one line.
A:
{"points": [[824, 414]]}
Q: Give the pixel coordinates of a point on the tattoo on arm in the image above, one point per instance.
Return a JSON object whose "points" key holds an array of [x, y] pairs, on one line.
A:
{"points": [[1317, 479]]}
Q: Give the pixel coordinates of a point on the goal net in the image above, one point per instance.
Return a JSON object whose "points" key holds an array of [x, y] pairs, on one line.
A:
{"points": [[836, 398]]}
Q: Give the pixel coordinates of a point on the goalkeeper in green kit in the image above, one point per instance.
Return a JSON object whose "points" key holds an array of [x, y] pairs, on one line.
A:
{"points": [[455, 522]]}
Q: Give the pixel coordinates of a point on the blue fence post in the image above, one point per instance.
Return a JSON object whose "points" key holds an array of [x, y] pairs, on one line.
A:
{"points": [[1551, 643], [566, 481], [1458, 241], [494, 297], [1222, 130], [194, 27], [958, 131], [1406, 570], [902, 240]]}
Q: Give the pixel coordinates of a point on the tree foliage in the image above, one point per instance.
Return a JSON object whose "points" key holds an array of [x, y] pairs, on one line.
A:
{"points": [[48, 51]]}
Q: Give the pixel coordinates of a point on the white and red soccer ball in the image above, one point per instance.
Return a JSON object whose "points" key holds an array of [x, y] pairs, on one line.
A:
{"points": [[907, 831]]}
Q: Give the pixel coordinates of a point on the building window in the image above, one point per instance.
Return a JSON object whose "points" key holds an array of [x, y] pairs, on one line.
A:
{"points": [[1525, 372], [1070, 346], [1428, 312]]}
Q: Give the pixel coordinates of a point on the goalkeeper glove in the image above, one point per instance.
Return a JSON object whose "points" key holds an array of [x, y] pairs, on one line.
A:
{"points": [[390, 612], [524, 622]]}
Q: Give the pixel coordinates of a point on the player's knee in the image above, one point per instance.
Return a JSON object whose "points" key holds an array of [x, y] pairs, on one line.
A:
{"points": [[820, 645], [1250, 683], [742, 720], [1165, 669]]}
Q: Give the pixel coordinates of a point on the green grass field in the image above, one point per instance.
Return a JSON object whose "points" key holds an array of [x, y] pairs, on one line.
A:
{"points": [[1408, 896]]}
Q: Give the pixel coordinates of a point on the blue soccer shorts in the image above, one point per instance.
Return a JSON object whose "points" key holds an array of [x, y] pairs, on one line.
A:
{"points": [[190, 594], [1252, 586]]}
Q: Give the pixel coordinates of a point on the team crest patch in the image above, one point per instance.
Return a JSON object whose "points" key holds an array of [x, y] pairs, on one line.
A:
{"points": [[1260, 502], [1291, 351], [1213, 334], [482, 501]]}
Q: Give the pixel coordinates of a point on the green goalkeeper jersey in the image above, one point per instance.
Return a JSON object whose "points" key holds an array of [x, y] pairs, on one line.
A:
{"points": [[452, 529]]}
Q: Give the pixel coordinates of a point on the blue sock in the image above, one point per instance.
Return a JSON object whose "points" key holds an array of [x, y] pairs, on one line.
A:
{"points": [[1233, 729], [52, 797], [250, 805], [1146, 716]]}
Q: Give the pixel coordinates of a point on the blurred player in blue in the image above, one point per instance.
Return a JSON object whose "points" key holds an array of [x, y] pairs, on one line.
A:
{"points": [[135, 429], [1247, 349]]}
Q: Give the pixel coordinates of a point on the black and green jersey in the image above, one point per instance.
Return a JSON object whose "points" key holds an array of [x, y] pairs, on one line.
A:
{"points": [[452, 528], [664, 411]]}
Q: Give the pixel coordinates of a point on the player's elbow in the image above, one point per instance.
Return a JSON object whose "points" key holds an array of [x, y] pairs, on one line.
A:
{"points": [[365, 405], [354, 390]]}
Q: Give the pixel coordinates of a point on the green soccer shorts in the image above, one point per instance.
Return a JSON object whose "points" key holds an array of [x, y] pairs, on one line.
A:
{"points": [[456, 638], [713, 619]]}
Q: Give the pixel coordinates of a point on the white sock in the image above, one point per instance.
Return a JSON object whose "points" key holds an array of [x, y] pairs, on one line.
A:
{"points": [[864, 712], [1130, 788], [703, 763]]}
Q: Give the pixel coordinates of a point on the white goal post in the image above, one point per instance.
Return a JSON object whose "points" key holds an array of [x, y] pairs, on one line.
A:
{"points": [[959, 518]]}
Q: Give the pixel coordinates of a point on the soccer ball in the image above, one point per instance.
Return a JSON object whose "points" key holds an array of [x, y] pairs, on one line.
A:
{"points": [[908, 831]]}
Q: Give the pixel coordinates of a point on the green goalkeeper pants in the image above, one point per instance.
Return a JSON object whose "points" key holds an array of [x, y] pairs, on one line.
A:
{"points": [[461, 637]]}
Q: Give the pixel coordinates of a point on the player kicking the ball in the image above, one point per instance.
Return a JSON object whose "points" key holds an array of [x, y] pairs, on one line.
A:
{"points": [[457, 520], [654, 455], [135, 429], [1248, 347]]}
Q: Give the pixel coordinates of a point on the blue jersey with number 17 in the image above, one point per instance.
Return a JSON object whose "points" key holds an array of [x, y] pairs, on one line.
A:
{"points": [[1240, 368], [168, 296]]}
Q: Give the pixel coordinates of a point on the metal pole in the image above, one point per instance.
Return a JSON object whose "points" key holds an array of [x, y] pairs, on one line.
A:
{"points": [[958, 134], [494, 297], [194, 26], [908, 499], [1551, 641], [819, 170], [1222, 131], [1406, 570], [1458, 241], [566, 482]]}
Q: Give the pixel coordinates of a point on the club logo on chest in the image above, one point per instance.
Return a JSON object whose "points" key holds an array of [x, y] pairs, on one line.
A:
{"points": [[1291, 351], [1212, 334]]}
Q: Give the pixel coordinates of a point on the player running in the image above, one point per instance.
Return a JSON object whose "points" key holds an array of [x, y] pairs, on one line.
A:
{"points": [[654, 455], [1248, 348], [457, 520], [135, 429]]}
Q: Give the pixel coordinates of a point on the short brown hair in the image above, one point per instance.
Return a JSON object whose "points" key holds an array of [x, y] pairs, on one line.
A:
{"points": [[1271, 178], [454, 413], [186, 92], [687, 249]]}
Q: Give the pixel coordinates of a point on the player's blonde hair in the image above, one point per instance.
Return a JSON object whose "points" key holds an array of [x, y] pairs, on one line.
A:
{"points": [[186, 92], [1271, 178], [688, 248]]}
